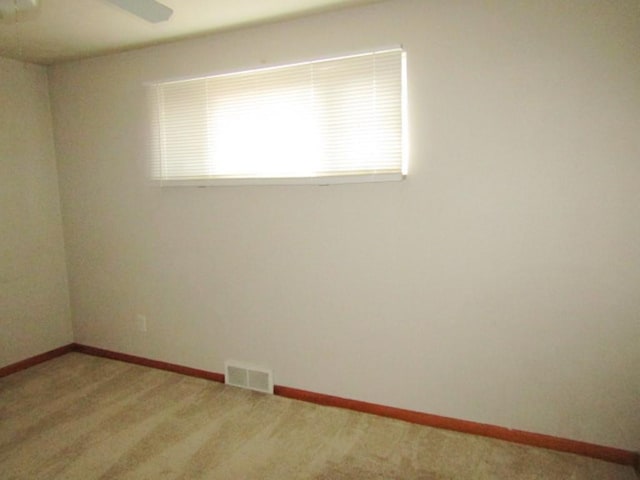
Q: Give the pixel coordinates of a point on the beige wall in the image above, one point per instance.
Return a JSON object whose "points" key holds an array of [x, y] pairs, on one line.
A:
{"points": [[498, 283], [34, 298]]}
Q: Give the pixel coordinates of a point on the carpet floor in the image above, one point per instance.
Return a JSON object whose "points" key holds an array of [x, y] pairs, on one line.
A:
{"points": [[83, 417]]}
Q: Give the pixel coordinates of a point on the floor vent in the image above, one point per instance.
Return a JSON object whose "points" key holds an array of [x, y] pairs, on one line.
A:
{"points": [[248, 376]]}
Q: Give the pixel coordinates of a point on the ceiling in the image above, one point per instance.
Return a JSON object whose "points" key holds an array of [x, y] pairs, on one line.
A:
{"points": [[61, 30]]}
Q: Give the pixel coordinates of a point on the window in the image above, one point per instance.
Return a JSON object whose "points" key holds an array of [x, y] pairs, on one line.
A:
{"points": [[325, 121]]}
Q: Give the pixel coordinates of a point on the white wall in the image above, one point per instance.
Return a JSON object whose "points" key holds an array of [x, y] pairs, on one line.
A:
{"points": [[34, 297], [498, 283]]}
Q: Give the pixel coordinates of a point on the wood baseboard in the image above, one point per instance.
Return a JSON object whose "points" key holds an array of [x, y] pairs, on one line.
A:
{"points": [[609, 454], [600, 452], [31, 361], [171, 367]]}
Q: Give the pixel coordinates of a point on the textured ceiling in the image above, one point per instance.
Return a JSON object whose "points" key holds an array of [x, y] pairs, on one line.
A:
{"points": [[61, 30]]}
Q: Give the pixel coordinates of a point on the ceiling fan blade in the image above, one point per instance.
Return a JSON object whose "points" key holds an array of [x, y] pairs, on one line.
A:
{"points": [[149, 10]]}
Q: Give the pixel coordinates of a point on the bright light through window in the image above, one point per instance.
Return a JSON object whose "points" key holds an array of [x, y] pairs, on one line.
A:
{"points": [[336, 120], [267, 139]]}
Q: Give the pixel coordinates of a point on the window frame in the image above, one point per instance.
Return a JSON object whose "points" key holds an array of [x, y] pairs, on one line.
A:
{"points": [[289, 180]]}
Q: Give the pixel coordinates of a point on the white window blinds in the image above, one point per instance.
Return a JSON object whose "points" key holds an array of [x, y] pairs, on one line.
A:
{"points": [[336, 120]]}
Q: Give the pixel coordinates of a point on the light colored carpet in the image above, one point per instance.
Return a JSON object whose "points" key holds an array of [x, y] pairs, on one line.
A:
{"points": [[82, 417]]}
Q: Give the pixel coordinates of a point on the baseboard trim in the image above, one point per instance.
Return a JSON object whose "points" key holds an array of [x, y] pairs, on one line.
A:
{"points": [[609, 454], [171, 367], [600, 452], [36, 359]]}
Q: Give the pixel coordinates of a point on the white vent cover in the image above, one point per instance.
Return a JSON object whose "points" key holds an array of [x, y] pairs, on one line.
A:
{"points": [[248, 376]]}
